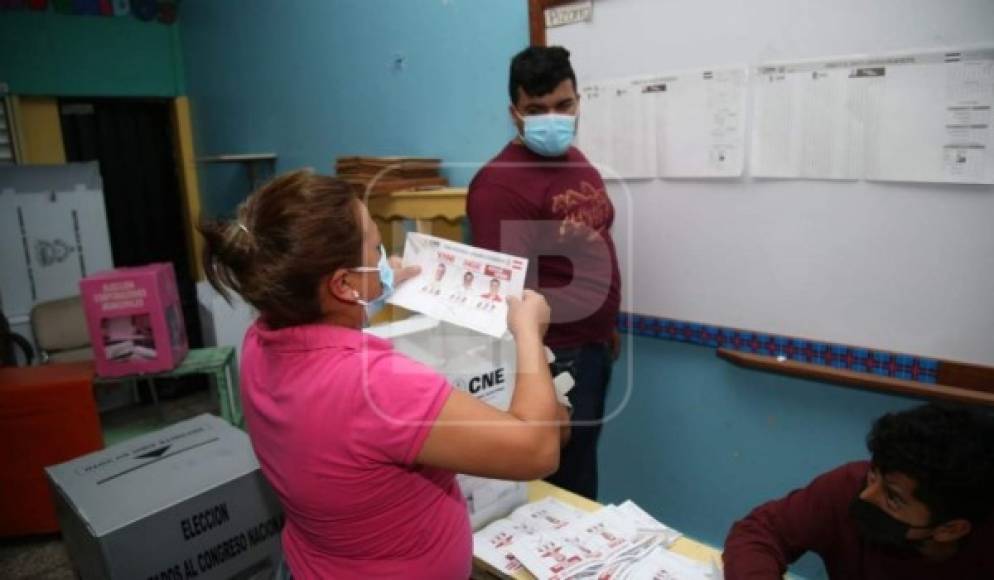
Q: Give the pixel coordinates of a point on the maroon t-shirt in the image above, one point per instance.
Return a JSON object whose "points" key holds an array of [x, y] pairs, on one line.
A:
{"points": [[556, 213], [816, 518]]}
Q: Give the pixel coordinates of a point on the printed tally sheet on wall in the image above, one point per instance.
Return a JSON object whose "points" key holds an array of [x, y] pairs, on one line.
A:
{"points": [[674, 125], [923, 116], [460, 284], [914, 117]]}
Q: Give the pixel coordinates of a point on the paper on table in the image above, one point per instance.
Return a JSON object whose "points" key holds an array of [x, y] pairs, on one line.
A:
{"points": [[662, 564], [603, 533], [493, 544], [489, 499], [644, 522], [552, 540], [549, 555], [547, 514], [460, 284]]}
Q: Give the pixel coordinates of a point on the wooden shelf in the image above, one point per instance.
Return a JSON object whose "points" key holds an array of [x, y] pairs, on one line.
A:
{"points": [[857, 379], [257, 165], [238, 158], [448, 203]]}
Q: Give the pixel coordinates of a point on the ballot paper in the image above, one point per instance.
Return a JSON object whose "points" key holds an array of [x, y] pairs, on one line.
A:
{"points": [[662, 564], [493, 544], [549, 555], [460, 284], [488, 499], [643, 522], [571, 553], [546, 514], [554, 541]]}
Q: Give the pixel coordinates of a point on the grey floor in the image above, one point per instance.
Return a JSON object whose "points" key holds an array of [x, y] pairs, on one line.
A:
{"points": [[45, 557]]}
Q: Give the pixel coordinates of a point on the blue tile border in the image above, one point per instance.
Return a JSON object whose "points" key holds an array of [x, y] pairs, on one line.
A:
{"points": [[840, 356]]}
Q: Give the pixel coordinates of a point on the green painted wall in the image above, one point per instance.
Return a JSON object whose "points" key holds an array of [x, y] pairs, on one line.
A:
{"points": [[74, 55]]}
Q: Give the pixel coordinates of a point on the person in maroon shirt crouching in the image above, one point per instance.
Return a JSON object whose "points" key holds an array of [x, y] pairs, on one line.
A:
{"points": [[921, 508]]}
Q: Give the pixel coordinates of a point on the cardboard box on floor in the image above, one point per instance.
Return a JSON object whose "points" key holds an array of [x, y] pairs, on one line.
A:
{"points": [[185, 502]]}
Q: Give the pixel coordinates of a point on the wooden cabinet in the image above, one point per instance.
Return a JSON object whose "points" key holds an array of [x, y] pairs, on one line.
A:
{"points": [[437, 212]]}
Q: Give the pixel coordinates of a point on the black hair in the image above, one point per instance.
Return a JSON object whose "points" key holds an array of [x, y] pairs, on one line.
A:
{"points": [[949, 452], [538, 70]]}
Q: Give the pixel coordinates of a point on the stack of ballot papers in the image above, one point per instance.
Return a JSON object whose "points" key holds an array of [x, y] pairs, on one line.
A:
{"points": [[553, 541]]}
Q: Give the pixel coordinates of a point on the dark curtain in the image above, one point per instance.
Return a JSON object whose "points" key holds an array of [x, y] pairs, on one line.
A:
{"points": [[132, 141]]}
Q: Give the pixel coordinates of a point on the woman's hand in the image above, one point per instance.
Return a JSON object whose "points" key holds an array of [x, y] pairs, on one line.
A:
{"points": [[528, 314], [402, 273]]}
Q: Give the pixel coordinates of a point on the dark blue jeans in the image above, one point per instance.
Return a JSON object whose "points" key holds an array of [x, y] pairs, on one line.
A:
{"points": [[590, 366], [283, 571]]}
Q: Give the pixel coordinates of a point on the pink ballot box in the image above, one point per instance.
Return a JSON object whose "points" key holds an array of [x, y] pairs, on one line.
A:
{"points": [[135, 320]]}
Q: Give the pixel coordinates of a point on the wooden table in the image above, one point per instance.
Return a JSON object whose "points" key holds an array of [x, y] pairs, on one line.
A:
{"points": [[218, 363]]}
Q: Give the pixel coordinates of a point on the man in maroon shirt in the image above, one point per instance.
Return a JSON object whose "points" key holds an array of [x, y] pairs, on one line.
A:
{"points": [[540, 198], [920, 509]]}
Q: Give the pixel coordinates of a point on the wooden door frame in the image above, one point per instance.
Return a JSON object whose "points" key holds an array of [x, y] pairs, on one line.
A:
{"points": [[186, 166], [536, 19], [38, 138]]}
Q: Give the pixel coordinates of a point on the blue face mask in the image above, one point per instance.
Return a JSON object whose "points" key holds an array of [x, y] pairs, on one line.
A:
{"points": [[386, 281], [549, 135]]}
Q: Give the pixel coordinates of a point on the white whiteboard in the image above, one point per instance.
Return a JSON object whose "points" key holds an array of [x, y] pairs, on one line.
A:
{"points": [[900, 266]]}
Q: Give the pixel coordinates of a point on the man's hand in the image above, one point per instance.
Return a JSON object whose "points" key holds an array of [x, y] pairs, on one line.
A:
{"points": [[573, 229], [615, 344], [402, 273]]}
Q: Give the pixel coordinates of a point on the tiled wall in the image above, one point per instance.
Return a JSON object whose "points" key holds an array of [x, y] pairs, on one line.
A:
{"points": [[840, 356]]}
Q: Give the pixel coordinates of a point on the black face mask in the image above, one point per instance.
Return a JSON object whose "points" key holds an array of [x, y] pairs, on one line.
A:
{"points": [[876, 526]]}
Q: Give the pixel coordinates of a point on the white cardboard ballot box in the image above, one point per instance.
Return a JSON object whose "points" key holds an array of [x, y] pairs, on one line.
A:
{"points": [[475, 363], [185, 502]]}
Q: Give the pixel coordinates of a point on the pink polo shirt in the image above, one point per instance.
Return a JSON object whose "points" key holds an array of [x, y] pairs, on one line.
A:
{"points": [[337, 417]]}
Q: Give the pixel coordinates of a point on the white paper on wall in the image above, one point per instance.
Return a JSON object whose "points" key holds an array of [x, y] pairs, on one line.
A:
{"points": [[616, 129], [594, 126], [676, 125], [810, 118], [934, 119], [915, 117], [633, 136], [702, 131]]}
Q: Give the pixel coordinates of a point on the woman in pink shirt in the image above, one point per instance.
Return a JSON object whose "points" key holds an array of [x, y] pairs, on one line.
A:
{"points": [[361, 443]]}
